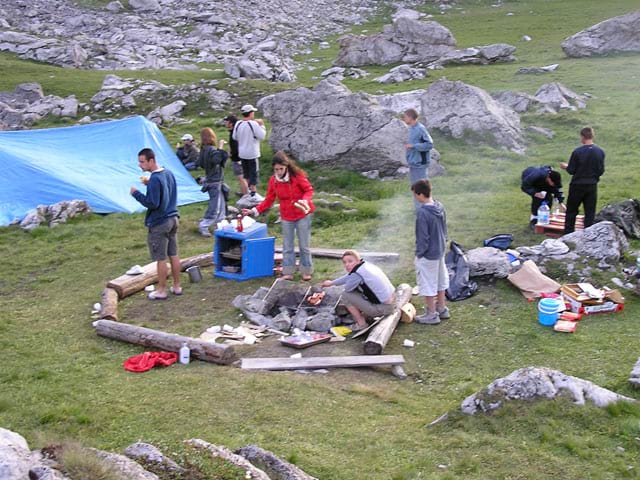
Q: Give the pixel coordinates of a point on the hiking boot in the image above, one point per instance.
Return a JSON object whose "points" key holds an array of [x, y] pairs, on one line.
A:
{"points": [[428, 319], [444, 314]]}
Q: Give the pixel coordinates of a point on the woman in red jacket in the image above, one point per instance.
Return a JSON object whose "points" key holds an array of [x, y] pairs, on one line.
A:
{"points": [[289, 184]]}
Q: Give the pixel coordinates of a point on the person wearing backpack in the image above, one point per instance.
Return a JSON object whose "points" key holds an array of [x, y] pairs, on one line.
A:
{"points": [[542, 184], [417, 148], [249, 132], [213, 160]]}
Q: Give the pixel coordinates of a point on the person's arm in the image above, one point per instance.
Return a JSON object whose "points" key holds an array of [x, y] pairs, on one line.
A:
{"points": [[350, 282], [152, 199], [571, 166], [422, 234], [267, 203], [305, 186], [261, 131], [601, 165]]}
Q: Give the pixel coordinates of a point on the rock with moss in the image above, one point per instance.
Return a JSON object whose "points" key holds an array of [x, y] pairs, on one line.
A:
{"points": [[153, 459], [538, 383]]}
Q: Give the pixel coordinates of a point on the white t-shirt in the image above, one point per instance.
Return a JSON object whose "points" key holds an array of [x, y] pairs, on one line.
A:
{"points": [[248, 134]]}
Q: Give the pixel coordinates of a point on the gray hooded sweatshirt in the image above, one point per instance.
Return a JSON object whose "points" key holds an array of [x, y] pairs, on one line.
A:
{"points": [[431, 231]]}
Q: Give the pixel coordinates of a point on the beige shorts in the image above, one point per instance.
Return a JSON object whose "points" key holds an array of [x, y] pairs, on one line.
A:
{"points": [[432, 276]]}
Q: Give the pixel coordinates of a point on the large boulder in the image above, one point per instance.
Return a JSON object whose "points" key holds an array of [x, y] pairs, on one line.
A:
{"points": [[15, 456], [615, 35], [407, 40], [538, 383], [333, 126], [465, 111], [488, 261], [602, 241]]}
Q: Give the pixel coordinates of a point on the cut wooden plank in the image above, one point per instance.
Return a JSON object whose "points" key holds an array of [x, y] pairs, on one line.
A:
{"points": [[109, 310], [320, 362], [209, 352], [555, 228], [337, 253], [381, 333], [127, 285]]}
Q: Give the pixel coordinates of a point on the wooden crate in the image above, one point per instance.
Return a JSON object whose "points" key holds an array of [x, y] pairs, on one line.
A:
{"points": [[556, 225]]}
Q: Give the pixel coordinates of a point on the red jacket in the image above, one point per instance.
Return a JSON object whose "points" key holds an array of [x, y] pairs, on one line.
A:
{"points": [[297, 188]]}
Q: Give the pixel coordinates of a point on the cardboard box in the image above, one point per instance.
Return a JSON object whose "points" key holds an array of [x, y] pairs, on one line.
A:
{"points": [[580, 298]]}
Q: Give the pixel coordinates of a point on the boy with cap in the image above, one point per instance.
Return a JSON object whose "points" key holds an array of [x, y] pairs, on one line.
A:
{"points": [[188, 153], [248, 133]]}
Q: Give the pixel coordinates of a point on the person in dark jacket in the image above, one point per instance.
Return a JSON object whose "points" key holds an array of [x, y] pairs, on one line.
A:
{"points": [[236, 164], [586, 166], [188, 152], [431, 271], [542, 184], [213, 160], [161, 220]]}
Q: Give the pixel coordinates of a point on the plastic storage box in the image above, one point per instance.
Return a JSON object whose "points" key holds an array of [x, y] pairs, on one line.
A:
{"points": [[243, 255]]}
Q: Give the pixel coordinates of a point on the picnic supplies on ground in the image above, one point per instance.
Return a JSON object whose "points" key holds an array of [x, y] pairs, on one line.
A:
{"points": [[305, 339], [501, 241], [565, 326], [531, 282], [549, 310], [584, 298], [460, 286]]}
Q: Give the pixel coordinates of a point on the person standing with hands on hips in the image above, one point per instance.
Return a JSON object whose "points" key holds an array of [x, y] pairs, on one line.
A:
{"points": [[289, 184], [161, 220], [586, 166], [418, 148], [248, 133]]}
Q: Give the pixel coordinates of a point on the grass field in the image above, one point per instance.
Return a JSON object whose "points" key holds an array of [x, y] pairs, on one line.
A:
{"points": [[59, 381]]}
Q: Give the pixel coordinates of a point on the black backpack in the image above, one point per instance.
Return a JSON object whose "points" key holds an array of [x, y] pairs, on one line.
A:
{"points": [[460, 285]]}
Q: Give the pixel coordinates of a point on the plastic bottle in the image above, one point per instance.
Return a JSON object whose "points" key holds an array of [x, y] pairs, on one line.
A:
{"points": [[239, 228], [637, 264], [185, 354], [543, 214]]}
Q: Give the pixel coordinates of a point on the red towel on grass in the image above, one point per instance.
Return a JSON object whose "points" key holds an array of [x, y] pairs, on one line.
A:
{"points": [[147, 360]]}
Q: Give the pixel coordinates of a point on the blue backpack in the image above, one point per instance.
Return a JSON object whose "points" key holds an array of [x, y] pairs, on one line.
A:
{"points": [[501, 241]]}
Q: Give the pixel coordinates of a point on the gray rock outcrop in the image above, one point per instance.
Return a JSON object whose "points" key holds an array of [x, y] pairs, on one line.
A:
{"points": [[153, 459], [27, 104], [482, 55], [15, 456], [406, 40], [465, 111], [332, 126], [615, 35], [126, 467], [55, 214], [402, 73], [545, 69], [272, 465], [488, 261], [602, 241], [549, 98], [538, 383]]}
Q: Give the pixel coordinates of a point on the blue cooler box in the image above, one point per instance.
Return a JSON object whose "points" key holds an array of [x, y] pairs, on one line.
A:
{"points": [[243, 255]]}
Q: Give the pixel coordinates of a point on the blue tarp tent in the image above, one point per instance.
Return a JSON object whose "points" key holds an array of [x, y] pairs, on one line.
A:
{"points": [[97, 163]]}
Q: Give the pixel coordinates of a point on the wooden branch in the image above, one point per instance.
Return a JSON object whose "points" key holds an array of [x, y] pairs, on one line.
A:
{"points": [[226, 454], [274, 466], [287, 363], [381, 333], [127, 285], [109, 310], [202, 350], [337, 253]]}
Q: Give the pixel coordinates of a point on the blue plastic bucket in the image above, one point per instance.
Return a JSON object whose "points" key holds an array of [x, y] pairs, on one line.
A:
{"points": [[548, 311]]}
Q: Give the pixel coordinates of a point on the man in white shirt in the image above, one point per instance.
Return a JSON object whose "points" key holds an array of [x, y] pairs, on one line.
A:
{"points": [[248, 133]]}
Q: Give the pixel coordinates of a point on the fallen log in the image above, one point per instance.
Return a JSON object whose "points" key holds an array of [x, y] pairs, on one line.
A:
{"points": [[127, 285], [202, 350], [337, 253], [381, 333], [272, 465], [109, 302], [226, 454], [311, 363]]}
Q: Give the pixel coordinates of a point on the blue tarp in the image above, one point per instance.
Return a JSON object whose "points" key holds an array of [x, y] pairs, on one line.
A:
{"points": [[96, 162]]}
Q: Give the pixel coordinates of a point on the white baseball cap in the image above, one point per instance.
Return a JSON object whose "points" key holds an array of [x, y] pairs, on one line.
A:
{"points": [[187, 136], [248, 108]]}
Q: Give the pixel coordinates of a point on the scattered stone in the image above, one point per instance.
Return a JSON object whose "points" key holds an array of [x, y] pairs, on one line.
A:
{"points": [[488, 261], [536, 383], [168, 114], [615, 35], [483, 55], [272, 465], [402, 73], [27, 104], [364, 135], [545, 69], [525, 38], [14, 455], [45, 473], [54, 214], [124, 466], [465, 111], [602, 241], [153, 459], [634, 379], [558, 97]]}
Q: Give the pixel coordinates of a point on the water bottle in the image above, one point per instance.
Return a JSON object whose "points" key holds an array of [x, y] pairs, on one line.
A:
{"points": [[638, 265], [543, 214], [185, 354]]}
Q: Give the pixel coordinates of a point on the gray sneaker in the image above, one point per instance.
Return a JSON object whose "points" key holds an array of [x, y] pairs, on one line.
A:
{"points": [[444, 314], [428, 319]]}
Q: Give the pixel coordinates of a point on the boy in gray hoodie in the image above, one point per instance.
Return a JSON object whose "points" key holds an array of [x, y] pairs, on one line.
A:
{"points": [[431, 271]]}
